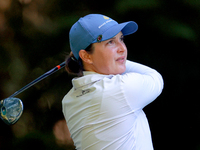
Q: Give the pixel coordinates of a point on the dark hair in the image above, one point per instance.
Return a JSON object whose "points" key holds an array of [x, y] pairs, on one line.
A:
{"points": [[74, 66]]}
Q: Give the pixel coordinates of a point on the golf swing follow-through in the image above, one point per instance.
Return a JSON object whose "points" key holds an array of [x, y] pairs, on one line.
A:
{"points": [[11, 108], [104, 108]]}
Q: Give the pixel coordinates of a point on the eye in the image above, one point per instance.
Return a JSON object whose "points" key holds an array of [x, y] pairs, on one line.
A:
{"points": [[122, 38], [110, 42]]}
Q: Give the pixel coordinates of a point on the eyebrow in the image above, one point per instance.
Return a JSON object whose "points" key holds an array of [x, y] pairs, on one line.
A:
{"points": [[112, 38], [115, 37]]}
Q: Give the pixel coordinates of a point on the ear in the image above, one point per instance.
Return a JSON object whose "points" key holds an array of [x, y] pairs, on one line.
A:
{"points": [[85, 56]]}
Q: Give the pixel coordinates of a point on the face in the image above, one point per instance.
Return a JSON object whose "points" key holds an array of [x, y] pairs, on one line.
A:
{"points": [[109, 57]]}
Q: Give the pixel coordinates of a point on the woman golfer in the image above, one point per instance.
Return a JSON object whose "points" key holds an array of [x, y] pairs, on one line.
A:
{"points": [[103, 110]]}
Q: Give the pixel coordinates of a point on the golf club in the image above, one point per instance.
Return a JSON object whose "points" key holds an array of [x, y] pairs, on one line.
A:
{"points": [[11, 108]]}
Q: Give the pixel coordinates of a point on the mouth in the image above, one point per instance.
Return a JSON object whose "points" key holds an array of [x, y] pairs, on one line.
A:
{"points": [[121, 59]]}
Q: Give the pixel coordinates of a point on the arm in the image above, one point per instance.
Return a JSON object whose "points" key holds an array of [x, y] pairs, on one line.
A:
{"points": [[141, 84]]}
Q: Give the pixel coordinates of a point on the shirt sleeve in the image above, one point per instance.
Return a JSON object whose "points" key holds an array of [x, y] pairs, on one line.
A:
{"points": [[141, 85]]}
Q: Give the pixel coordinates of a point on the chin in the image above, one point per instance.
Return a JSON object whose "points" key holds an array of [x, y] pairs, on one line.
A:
{"points": [[120, 71]]}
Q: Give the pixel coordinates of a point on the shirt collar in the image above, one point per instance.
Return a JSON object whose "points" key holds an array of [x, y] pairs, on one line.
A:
{"points": [[88, 77], [89, 73]]}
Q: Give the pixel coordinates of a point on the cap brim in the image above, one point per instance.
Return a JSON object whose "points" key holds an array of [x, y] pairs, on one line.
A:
{"points": [[126, 28], [129, 28]]}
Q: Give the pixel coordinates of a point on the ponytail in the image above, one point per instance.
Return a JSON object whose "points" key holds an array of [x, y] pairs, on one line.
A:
{"points": [[74, 66]]}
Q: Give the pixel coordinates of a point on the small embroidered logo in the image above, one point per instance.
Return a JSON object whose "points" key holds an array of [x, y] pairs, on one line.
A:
{"points": [[84, 92], [99, 38], [105, 17]]}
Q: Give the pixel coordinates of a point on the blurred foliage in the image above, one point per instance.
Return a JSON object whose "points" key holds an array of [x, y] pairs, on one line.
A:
{"points": [[34, 39]]}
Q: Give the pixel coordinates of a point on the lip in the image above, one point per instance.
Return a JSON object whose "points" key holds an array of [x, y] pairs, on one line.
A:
{"points": [[121, 59]]}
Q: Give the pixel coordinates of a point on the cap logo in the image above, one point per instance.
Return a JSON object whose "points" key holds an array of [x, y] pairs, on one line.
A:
{"points": [[105, 23], [99, 38], [105, 17]]}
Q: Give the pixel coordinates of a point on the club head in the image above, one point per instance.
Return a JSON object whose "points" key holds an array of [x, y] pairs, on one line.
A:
{"points": [[11, 109]]}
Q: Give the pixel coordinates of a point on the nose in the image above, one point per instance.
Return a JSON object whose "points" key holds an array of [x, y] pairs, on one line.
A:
{"points": [[121, 47]]}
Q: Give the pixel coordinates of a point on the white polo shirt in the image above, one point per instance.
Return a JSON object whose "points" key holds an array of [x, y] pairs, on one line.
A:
{"points": [[104, 112]]}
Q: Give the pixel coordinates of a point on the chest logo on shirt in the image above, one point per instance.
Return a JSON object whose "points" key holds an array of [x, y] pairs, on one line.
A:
{"points": [[84, 92]]}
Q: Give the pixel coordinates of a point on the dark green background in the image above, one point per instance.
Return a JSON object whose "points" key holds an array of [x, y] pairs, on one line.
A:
{"points": [[34, 39]]}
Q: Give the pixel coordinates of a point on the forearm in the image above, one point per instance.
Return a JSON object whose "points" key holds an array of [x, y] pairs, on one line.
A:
{"points": [[142, 84], [143, 70], [137, 68]]}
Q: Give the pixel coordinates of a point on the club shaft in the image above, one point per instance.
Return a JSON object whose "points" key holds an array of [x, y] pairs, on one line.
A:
{"points": [[58, 67]]}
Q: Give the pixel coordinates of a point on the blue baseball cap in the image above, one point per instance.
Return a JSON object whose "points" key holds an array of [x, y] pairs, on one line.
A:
{"points": [[96, 28]]}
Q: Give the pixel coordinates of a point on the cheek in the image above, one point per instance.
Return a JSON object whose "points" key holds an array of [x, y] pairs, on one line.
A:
{"points": [[103, 56], [104, 63]]}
